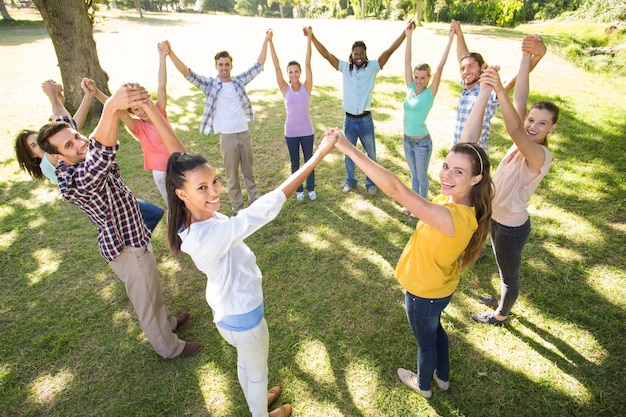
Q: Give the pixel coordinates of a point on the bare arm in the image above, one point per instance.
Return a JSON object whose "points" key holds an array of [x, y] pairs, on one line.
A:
{"points": [[180, 66], [308, 82], [384, 57], [461, 46], [534, 45], [263, 54], [433, 214], [166, 132], [408, 66], [162, 76], [83, 110], [126, 118], [128, 95], [332, 59], [280, 80], [434, 85], [296, 179], [54, 91], [532, 151], [474, 124]]}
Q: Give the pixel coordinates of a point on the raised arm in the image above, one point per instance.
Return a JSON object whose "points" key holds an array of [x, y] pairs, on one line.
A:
{"points": [[128, 95], [263, 53], [332, 59], [83, 110], [180, 66], [535, 46], [308, 82], [54, 92], [532, 151], [165, 130], [433, 214], [163, 49], [408, 66], [461, 46], [384, 57], [280, 80], [126, 118], [434, 84], [474, 124]]}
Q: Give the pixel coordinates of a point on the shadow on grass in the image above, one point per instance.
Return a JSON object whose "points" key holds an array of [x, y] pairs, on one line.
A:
{"points": [[20, 32], [335, 311]]}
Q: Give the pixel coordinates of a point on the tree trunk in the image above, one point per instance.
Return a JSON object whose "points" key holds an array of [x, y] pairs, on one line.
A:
{"points": [[4, 11], [71, 31]]}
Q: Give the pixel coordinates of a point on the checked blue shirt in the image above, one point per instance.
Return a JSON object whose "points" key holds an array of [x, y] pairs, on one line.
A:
{"points": [[464, 108], [212, 86]]}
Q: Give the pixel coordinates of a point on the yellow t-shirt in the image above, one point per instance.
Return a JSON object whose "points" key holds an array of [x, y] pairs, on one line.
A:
{"points": [[429, 264]]}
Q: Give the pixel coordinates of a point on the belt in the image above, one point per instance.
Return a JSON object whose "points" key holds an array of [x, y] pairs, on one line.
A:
{"points": [[358, 116]]}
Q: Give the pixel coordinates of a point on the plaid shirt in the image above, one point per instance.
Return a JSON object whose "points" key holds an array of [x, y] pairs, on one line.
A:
{"points": [[464, 108], [96, 187], [212, 86]]}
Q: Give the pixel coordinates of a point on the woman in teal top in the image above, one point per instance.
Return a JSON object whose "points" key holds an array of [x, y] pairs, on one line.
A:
{"points": [[418, 145]]}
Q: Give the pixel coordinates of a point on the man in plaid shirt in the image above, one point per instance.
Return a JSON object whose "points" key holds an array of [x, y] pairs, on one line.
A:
{"points": [[89, 178], [227, 111], [472, 66]]}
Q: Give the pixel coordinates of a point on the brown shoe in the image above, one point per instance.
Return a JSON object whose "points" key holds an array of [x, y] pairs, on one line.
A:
{"points": [[272, 394], [181, 320], [282, 411], [191, 348]]}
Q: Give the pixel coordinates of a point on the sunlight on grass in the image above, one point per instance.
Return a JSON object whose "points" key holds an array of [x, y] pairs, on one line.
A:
{"points": [[8, 239], [609, 281], [566, 255], [6, 211], [318, 241], [49, 263], [214, 386], [313, 359], [44, 389], [363, 386], [108, 291], [560, 222]]}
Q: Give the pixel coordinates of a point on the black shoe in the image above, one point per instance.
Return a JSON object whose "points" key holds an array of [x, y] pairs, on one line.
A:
{"points": [[488, 301], [488, 318]]}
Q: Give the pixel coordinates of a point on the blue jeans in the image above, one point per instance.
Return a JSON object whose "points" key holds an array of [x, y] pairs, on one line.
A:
{"points": [[152, 213], [417, 153], [293, 145], [354, 129], [424, 316], [508, 244]]}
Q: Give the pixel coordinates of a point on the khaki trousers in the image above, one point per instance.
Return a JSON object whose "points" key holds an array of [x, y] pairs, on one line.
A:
{"points": [[236, 149], [137, 269]]}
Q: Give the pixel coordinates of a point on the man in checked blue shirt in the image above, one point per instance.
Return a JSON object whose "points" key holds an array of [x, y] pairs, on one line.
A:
{"points": [[89, 177], [472, 66], [227, 111]]}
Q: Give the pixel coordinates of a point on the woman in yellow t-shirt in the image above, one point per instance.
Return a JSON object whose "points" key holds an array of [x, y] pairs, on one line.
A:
{"points": [[448, 238]]}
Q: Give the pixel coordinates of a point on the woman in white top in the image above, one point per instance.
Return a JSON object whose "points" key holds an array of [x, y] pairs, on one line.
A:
{"points": [[518, 175], [216, 245]]}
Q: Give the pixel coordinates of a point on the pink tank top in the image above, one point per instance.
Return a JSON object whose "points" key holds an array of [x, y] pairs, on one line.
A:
{"points": [[298, 122]]}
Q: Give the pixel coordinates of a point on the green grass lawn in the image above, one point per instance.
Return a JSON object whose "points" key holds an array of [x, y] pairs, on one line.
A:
{"points": [[70, 343]]}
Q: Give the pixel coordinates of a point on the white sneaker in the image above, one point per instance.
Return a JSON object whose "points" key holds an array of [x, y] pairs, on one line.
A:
{"points": [[300, 196], [409, 379], [312, 195]]}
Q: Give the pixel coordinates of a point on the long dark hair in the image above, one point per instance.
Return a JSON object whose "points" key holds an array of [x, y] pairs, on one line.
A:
{"points": [[25, 158], [356, 45], [481, 196], [177, 166]]}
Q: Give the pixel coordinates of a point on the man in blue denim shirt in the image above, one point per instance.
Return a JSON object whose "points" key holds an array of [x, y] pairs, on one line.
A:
{"points": [[359, 76], [227, 111]]}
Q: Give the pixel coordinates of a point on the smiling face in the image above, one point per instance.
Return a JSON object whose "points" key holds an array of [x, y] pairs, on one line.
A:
{"points": [[538, 123], [359, 55], [421, 79], [201, 193], [140, 113], [224, 65], [456, 177], [293, 72], [71, 145], [470, 71]]}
